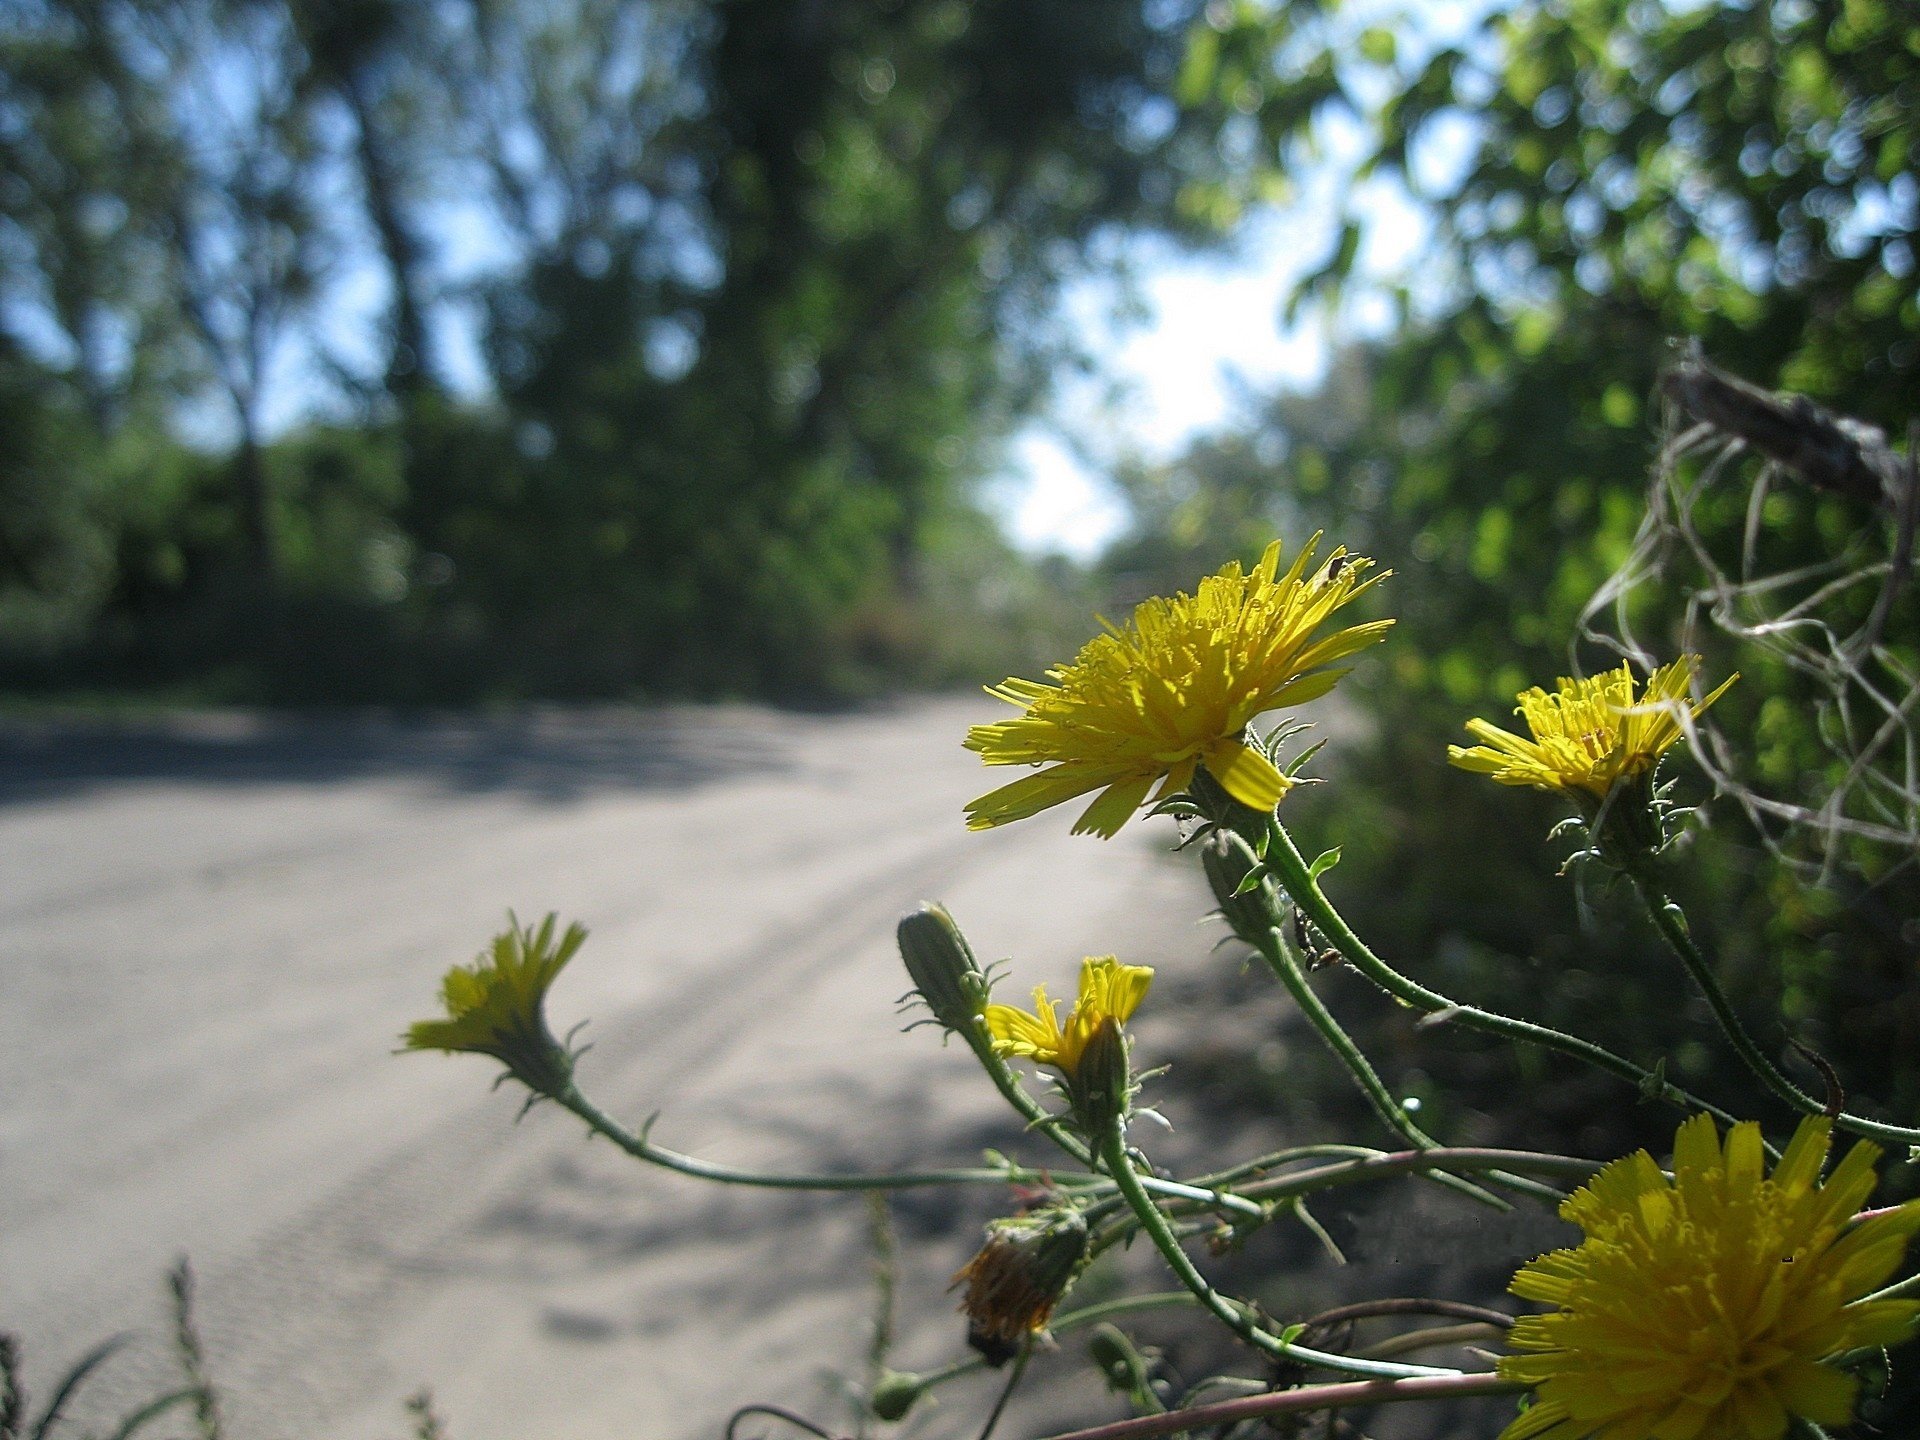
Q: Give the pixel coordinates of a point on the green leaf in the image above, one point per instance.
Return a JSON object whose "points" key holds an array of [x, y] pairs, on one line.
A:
{"points": [[1653, 1085], [1378, 45], [153, 1410], [1325, 862], [1299, 761], [73, 1380], [1202, 64]]}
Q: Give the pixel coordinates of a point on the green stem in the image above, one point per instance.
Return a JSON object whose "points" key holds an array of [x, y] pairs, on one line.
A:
{"points": [[1287, 864], [1671, 922], [1304, 1399], [1381, 1167], [1386, 1108], [1006, 1393], [1203, 1197], [1189, 1200], [642, 1148], [1257, 918], [1071, 1320], [1234, 1314], [1029, 1109], [1261, 1164], [1899, 1290], [1356, 1164], [1282, 961]]}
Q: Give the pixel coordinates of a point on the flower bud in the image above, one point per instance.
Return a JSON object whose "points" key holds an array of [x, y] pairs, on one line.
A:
{"points": [[894, 1394], [1227, 869], [1629, 827], [1018, 1276], [1101, 1085], [943, 970]]}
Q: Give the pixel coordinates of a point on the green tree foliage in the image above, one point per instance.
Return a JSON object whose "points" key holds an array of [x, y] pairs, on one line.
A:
{"points": [[1602, 180], [758, 290]]}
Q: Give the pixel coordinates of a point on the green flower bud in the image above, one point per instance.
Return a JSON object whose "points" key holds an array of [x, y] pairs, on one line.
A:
{"points": [[944, 973], [1629, 827], [894, 1394], [1101, 1086], [1227, 869]]}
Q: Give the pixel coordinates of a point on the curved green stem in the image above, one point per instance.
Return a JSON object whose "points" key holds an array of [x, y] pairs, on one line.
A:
{"points": [[1070, 1320], [1282, 961], [1357, 1164], [1254, 909], [1671, 922], [1261, 1164], [1037, 1116], [1291, 869], [1388, 1110], [1906, 1289], [641, 1148], [1403, 1162], [1236, 1315], [1006, 1392]]}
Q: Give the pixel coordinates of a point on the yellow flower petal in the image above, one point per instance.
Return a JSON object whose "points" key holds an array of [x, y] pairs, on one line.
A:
{"points": [[1246, 774], [1176, 687], [1108, 991], [1589, 734], [1701, 1307]]}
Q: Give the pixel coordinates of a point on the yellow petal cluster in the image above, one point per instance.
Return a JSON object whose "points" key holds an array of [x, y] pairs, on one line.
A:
{"points": [[1589, 734], [1174, 690], [496, 1005], [1108, 991], [1701, 1307]]}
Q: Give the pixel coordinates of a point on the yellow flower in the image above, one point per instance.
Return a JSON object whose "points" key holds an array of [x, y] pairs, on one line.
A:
{"points": [[497, 1005], [1700, 1308], [1108, 991], [1591, 733], [1175, 690]]}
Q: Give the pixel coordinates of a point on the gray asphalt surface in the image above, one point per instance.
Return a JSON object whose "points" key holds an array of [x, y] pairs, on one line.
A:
{"points": [[212, 931]]}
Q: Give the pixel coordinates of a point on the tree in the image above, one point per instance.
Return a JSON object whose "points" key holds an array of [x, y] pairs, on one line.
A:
{"points": [[1603, 179]]}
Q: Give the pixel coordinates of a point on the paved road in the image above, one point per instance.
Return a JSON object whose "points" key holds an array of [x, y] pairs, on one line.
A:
{"points": [[212, 930]]}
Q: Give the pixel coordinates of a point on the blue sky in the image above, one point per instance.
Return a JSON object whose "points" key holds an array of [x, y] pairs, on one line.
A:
{"points": [[1215, 334], [1216, 331]]}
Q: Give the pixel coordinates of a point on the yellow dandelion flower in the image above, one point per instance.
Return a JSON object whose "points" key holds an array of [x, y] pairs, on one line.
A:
{"points": [[1591, 733], [1108, 991], [1175, 690], [497, 1005], [1701, 1308]]}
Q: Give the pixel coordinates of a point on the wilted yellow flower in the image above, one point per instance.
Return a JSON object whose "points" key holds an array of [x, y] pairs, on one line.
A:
{"points": [[1701, 1308], [1018, 1276], [1590, 733], [1108, 991], [1175, 690], [497, 1005]]}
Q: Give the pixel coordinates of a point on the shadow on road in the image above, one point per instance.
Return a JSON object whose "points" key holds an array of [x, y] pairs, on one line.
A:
{"points": [[546, 755]]}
